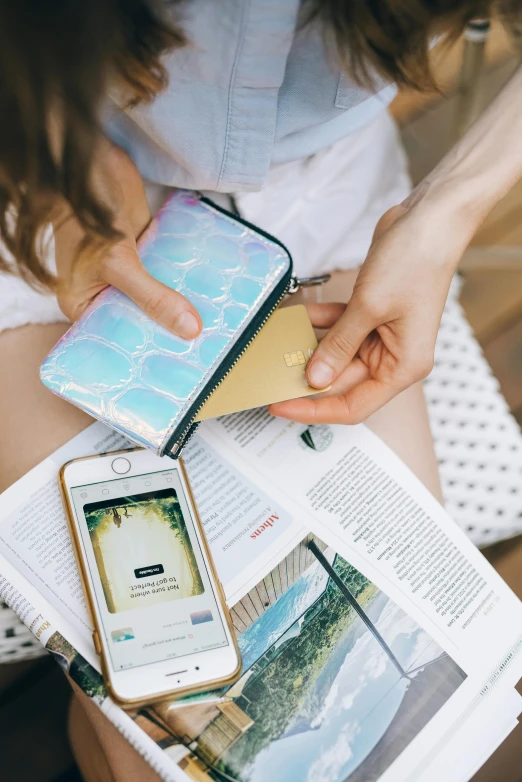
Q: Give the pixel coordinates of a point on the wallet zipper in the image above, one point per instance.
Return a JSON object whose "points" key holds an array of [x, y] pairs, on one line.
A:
{"points": [[175, 450], [289, 284]]}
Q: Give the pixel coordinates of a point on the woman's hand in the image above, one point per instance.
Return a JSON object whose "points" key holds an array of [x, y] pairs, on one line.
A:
{"points": [[81, 279], [383, 340]]}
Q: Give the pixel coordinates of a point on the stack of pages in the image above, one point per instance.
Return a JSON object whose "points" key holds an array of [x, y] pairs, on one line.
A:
{"points": [[377, 642]]}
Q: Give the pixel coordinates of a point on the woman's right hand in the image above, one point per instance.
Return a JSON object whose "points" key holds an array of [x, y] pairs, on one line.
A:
{"points": [[80, 279]]}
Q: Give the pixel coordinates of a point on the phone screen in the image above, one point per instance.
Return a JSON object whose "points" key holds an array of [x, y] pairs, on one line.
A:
{"points": [[151, 581]]}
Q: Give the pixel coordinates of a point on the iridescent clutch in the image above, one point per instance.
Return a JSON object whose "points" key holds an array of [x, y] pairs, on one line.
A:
{"points": [[124, 369]]}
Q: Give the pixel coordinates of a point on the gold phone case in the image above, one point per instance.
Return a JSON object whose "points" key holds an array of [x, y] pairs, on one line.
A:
{"points": [[174, 694]]}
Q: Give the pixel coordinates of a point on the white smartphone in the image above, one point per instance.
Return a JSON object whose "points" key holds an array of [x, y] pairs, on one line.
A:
{"points": [[162, 627]]}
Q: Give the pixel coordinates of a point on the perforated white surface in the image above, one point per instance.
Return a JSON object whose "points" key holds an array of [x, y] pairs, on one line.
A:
{"points": [[477, 441]]}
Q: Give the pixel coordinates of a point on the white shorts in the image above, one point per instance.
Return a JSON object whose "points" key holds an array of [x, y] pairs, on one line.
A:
{"points": [[323, 208]]}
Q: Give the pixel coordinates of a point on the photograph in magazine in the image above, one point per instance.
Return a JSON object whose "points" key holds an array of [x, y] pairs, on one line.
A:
{"points": [[337, 681], [136, 531], [67, 657]]}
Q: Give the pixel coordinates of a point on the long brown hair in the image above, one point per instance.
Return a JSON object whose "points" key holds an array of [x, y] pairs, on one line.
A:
{"points": [[393, 37], [57, 58]]}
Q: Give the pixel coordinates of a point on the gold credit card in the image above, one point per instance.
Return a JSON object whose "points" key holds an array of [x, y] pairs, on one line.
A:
{"points": [[272, 369]]}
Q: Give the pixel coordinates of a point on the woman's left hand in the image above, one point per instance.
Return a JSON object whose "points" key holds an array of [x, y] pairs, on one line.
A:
{"points": [[383, 340]]}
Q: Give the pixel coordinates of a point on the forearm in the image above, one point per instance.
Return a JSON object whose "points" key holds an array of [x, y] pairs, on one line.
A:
{"points": [[481, 168]]}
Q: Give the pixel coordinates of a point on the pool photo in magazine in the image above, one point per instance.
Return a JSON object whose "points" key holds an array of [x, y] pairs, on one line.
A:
{"points": [[377, 642]]}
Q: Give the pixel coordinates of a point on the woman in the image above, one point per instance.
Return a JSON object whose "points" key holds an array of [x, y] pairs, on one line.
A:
{"points": [[282, 104]]}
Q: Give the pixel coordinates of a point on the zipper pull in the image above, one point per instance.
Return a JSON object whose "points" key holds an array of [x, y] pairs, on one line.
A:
{"points": [[307, 282]]}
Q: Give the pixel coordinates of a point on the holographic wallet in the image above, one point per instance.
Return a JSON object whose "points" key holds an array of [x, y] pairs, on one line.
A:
{"points": [[135, 376]]}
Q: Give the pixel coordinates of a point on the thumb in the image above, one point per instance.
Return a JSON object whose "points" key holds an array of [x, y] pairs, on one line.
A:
{"points": [[124, 269], [339, 346]]}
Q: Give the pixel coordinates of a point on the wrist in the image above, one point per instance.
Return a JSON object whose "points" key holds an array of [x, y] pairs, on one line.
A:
{"points": [[453, 199], [442, 221], [453, 207], [463, 198], [483, 165]]}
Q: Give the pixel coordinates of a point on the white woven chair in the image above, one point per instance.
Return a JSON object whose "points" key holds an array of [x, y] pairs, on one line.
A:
{"points": [[477, 441]]}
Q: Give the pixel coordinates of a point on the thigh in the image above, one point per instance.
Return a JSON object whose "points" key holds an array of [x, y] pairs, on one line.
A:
{"points": [[34, 421], [101, 752], [403, 423]]}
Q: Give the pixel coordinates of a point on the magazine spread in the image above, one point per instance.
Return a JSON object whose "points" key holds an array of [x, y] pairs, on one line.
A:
{"points": [[377, 642]]}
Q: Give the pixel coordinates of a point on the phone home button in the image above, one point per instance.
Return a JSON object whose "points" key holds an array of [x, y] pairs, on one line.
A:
{"points": [[121, 465]]}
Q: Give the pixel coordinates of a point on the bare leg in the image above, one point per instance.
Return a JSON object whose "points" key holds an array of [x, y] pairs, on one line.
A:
{"points": [[35, 423], [101, 752]]}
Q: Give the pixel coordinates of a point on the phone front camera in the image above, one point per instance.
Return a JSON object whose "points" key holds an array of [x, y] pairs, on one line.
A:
{"points": [[197, 667]]}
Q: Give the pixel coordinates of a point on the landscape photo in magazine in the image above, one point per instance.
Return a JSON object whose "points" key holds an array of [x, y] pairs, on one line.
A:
{"points": [[337, 681]]}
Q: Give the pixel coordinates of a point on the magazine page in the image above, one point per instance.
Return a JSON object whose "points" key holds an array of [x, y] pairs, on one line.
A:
{"points": [[460, 755], [345, 670], [40, 617], [339, 684], [347, 486], [337, 680], [474, 597]]}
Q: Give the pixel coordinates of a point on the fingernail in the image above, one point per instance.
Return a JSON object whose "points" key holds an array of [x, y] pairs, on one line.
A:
{"points": [[320, 374], [187, 325]]}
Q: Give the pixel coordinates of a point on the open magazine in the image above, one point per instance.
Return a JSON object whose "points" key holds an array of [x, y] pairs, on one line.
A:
{"points": [[377, 642]]}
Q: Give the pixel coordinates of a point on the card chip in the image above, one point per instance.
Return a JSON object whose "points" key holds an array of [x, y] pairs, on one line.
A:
{"points": [[295, 358]]}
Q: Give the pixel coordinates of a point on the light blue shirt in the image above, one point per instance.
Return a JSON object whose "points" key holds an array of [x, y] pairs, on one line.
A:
{"points": [[253, 87]]}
